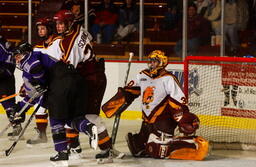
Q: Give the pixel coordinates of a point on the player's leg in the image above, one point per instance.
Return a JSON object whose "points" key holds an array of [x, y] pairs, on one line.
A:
{"points": [[136, 142], [74, 148], [82, 124], [187, 148], [96, 83], [41, 126], [104, 143], [60, 142], [7, 87]]}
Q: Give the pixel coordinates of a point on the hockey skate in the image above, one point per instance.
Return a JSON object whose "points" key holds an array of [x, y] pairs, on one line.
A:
{"points": [[92, 132], [15, 133], [75, 153], [60, 160], [105, 156], [40, 138]]}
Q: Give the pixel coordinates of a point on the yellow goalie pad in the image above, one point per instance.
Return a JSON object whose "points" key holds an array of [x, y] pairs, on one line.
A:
{"points": [[200, 153]]}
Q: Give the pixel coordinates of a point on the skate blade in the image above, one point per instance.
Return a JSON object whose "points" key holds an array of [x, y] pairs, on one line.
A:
{"points": [[59, 163], [94, 138], [105, 161]]}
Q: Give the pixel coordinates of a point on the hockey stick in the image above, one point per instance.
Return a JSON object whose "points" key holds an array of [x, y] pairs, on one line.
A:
{"points": [[9, 97], [37, 94], [8, 151], [117, 118]]}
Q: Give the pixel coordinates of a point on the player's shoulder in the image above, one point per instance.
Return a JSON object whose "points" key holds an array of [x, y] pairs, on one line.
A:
{"points": [[145, 72], [38, 45], [56, 37]]}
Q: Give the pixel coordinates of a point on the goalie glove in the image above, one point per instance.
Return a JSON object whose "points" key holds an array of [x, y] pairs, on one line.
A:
{"points": [[188, 124]]}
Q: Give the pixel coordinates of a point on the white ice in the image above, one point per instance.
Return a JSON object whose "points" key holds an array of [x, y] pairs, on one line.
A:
{"points": [[38, 156]]}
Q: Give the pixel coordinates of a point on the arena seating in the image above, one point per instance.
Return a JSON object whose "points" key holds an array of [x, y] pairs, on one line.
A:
{"points": [[14, 17]]}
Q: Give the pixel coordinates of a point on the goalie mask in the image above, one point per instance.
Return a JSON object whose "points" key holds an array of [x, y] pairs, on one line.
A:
{"points": [[157, 62]]}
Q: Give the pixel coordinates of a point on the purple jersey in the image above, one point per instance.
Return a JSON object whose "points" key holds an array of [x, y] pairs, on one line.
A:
{"points": [[35, 66], [6, 64]]}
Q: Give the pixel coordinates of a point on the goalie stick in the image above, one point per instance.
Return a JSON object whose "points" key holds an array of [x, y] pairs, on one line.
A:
{"points": [[37, 94], [117, 117], [8, 151]]}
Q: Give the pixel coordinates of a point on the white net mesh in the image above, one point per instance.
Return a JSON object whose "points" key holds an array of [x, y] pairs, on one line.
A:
{"points": [[223, 95]]}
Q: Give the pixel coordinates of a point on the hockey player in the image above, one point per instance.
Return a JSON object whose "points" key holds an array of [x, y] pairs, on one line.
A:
{"points": [[78, 51], [65, 101], [50, 45], [45, 33], [163, 109], [7, 82]]}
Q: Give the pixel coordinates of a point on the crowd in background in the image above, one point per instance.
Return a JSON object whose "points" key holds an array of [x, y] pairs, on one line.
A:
{"points": [[110, 22]]}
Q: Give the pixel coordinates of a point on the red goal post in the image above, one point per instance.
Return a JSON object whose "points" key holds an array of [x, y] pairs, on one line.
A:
{"points": [[222, 92]]}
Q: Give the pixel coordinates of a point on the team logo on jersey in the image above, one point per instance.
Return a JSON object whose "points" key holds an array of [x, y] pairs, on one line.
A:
{"points": [[148, 96], [193, 83]]}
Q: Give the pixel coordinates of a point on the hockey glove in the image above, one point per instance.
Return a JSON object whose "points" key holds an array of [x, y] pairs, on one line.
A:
{"points": [[14, 117], [188, 124], [22, 91]]}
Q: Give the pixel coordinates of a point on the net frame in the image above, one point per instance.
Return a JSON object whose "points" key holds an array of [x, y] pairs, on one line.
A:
{"points": [[219, 61]]}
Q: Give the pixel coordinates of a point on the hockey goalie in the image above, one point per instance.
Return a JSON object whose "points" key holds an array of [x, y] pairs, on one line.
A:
{"points": [[163, 110]]}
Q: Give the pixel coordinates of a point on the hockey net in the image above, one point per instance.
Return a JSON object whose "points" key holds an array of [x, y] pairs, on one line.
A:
{"points": [[222, 92]]}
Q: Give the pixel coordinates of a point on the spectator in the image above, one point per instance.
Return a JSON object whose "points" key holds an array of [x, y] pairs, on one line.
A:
{"points": [[128, 19], [213, 14], [252, 10], [231, 26], [170, 19], [105, 22], [243, 16], [198, 31], [202, 6], [77, 8]]}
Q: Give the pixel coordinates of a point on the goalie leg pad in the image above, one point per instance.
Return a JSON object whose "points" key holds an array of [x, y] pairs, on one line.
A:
{"points": [[135, 149], [198, 153]]}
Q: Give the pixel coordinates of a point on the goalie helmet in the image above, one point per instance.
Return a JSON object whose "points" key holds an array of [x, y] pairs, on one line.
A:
{"points": [[157, 55]]}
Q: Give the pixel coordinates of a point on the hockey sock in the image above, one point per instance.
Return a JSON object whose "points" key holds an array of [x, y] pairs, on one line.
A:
{"points": [[105, 141], [42, 122], [59, 137], [72, 138]]}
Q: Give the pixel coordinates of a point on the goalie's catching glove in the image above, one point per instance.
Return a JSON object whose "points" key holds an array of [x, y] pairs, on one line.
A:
{"points": [[188, 124]]}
